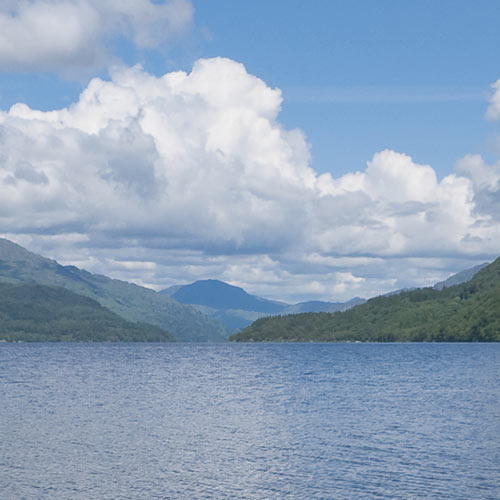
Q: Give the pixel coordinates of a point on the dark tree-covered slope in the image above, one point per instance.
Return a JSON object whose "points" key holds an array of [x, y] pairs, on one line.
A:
{"points": [[38, 313], [466, 312]]}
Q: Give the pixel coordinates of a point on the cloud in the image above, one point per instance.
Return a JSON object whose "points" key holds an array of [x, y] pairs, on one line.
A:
{"points": [[61, 35], [493, 111], [482, 175], [194, 172], [148, 23]]}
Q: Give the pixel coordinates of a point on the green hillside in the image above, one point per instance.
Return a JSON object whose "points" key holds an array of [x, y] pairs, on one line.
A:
{"points": [[37, 313], [463, 313], [132, 302]]}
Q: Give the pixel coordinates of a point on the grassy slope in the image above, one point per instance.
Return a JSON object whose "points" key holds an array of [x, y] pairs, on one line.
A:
{"points": [[47, 313], [467, 312]]}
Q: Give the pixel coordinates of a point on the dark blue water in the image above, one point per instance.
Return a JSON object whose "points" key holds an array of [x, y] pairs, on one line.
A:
{"points": [[246, 421]]}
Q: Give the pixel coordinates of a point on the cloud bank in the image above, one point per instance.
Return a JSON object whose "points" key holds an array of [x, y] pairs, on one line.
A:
{"points": [[61, 35], [187, 176]]}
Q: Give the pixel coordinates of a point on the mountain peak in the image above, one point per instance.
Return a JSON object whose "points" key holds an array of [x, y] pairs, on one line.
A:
{"points": [[12, 251], [220, 295]]}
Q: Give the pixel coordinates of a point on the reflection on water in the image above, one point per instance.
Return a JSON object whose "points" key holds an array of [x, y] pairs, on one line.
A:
{"points": [[252, 421]]}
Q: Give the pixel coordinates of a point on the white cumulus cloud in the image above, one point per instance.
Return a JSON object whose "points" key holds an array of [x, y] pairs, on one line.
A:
{"points": [[191, 175], [60, 35]]}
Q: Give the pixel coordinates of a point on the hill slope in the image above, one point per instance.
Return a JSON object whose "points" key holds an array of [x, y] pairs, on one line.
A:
{"points": [[466, 312], [461, 277], [132, 302], [38, 313]]}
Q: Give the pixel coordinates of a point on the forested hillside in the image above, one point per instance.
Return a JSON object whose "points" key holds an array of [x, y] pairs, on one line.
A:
{"points": [[463, 313], [33, 313]]}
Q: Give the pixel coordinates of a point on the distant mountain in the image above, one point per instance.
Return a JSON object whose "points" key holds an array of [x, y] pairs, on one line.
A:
{"points": [[236, 319], [467, 312], [455, 279], [132, 302], [236, 309], [461, 277], [320, 306], [400, 290], [219, 295], [38, 313]]}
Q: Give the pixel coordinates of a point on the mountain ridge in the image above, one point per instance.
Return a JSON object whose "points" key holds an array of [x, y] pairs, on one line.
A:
{"points": [[194, 312], [128, 300], [460, 277]]}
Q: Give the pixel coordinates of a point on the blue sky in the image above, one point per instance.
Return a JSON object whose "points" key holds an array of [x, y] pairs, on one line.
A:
{"points": [[360, 78]]}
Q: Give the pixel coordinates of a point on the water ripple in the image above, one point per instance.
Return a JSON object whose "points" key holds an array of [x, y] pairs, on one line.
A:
{"points": [[299, 421]]}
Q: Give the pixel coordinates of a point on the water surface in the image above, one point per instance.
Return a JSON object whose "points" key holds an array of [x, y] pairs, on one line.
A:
{"points": [[252, 421]]}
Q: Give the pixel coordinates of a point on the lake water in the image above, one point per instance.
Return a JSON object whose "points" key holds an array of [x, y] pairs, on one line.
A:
{"points": [[249, 421]]}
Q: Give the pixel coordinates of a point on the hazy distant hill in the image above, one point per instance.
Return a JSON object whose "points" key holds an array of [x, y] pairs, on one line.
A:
{"points": [[219, 295], [38, 313], [466, 312], [236, 309], [454, 279], [461, 277], [132, 302], [228, 304], [320, 306]]}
